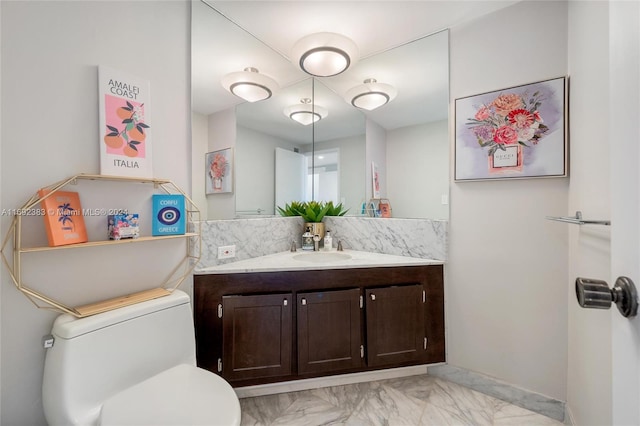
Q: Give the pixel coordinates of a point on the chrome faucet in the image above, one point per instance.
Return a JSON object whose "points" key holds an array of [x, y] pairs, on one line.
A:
{"points": [[340, 245], [316, 242], [293, 246]]}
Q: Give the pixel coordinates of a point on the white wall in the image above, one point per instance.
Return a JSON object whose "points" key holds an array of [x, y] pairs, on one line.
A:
{"points": [[589, 343], [1, 226], [352, 170], [199, 146], [49, 58], [255, 170], [418, 170], [376, 151], [624, 156], [222, 134], [506, 288]]}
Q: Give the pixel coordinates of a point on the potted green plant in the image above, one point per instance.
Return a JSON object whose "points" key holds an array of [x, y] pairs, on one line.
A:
{"points": [[338, 210], [293, 209], [313, 212]]}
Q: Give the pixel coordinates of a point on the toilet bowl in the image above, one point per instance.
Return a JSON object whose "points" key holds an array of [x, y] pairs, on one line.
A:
{"points": [[133, 366], [182, 395]]}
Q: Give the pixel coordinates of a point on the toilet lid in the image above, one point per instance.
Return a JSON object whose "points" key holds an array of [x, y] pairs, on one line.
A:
{"points": [[182, 395]]}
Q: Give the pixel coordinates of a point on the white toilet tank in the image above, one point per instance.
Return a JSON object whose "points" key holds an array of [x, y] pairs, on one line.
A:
{"points": [[96, 357]]}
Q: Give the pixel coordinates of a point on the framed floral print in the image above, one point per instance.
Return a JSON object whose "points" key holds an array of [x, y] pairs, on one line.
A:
{"points": [[518, 132], [219, 171], [375, 180]]}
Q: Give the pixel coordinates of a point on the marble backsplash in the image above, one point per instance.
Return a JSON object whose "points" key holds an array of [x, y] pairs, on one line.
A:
{"points": [[422, 238], [256, 237]]}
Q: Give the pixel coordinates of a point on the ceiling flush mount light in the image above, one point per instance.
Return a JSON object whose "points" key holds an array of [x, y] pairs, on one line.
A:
{"points": [[250, 85], [305, 112], [324, 54], [371, 95]]}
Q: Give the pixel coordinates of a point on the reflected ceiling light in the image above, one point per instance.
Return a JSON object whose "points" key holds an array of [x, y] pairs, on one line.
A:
{"points": [[371, 94], [250, 85], [324, 54], [305, 112]]}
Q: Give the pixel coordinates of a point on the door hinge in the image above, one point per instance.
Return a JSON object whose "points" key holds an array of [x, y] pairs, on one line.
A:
{"points": [[424, 296], [361, 302], [425, 343], [361, 351], [220, 310], [219, 365]]}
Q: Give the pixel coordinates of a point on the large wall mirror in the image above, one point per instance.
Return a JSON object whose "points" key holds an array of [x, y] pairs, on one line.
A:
{"points": [[321, 161], [277, 159]]}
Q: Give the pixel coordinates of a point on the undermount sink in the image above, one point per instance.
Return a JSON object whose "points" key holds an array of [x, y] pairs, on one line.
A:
{"points": [[322, 257]]}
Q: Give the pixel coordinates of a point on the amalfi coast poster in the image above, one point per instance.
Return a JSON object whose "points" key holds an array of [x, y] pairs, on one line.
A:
{"points": [[125, 132]]}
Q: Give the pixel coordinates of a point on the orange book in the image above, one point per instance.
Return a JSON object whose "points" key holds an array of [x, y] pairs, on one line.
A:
{"points": [[63, 218]]}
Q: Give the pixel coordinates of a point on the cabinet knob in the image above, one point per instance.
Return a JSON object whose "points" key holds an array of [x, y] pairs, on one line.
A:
{"points": [[373, 296], [596, 294], [303, 301]]}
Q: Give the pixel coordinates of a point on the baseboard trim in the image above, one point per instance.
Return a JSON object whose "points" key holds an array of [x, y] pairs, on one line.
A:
{"points": [[323, 382], [568, 416], [522, 398]]}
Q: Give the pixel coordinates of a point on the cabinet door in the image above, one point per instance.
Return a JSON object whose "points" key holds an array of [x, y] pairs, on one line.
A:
{"points": [[395, 325], [256, 336], [329, 336]]}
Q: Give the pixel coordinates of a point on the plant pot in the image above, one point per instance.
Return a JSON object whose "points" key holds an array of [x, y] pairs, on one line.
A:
{"points": [[317, 228]]}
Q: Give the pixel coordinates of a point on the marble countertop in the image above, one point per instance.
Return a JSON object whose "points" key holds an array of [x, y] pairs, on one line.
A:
{"points": [[301, 261]]}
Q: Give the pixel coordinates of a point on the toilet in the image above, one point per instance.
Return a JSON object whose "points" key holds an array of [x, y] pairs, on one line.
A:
{"points": [[135, 365]]}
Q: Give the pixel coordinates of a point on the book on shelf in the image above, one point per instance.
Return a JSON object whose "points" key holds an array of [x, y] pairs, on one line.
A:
{"points": [[168, 215], [63, 218]]}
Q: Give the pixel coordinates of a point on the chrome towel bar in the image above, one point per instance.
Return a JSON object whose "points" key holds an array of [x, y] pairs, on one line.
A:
{"points": [[578, 220]]}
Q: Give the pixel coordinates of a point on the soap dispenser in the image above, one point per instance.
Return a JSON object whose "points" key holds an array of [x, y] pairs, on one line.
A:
{"points": [[328, 241], [307, 240]]}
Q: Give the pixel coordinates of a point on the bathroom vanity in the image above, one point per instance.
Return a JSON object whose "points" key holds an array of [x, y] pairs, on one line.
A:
{"points": [[286, 316]]}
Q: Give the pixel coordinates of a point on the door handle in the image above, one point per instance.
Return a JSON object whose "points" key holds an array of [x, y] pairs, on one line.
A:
{"points": [[597, 294]]}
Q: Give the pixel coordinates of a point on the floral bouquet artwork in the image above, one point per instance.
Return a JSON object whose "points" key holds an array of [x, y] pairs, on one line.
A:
{"points": [[218, 169], [516, 132]]}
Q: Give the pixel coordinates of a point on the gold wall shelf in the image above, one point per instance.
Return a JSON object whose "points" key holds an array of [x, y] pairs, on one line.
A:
{"points": [[107, 242], [175, 278]]}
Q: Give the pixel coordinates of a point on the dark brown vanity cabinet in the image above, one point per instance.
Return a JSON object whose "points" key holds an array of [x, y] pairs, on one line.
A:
{"points": [[395, 325], [329, 331], [264, 327], [258, 329]]}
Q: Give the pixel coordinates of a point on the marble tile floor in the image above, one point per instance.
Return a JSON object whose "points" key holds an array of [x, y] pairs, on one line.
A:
{"points": [[406, 401]]}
